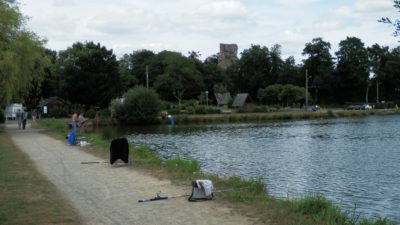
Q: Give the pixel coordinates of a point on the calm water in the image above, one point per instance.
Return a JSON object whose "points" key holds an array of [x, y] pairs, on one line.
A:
{"points": [[352, 161]]}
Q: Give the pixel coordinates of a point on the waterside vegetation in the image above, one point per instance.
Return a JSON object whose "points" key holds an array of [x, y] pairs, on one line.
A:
{"points": [[248, 196]]}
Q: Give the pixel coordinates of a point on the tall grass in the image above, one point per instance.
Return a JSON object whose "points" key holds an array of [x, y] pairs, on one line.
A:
{"points": [[276, 116]]}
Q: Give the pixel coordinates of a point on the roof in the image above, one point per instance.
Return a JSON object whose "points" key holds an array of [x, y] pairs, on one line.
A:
{"points": [[55, 100]]}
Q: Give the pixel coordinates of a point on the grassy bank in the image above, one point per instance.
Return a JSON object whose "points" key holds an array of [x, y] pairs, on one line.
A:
{"points": [[274, 116], [248, 196], [26, 197]]}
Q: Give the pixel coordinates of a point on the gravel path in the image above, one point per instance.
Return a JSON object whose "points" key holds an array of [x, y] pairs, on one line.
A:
{"points": [[104, 194]]}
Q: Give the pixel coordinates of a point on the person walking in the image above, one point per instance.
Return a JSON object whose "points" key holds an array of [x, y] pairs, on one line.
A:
{"points": [[24, 118], [18, 117], [34, 115]]}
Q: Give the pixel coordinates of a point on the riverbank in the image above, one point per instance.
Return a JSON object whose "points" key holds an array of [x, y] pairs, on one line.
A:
{"points": [[274, 116], [250, 197], [105, 194], [26, 196]]}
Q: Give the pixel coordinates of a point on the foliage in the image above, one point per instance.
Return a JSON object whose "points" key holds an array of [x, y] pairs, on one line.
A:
{"points": [[104, 113], [89, 74], [270, 94], [59, 112], [320, 68], [252, 71], [133, 69], [180, 78], [396, 22], [139, 106], [352, 70], [22, 58], [90, 113], [283, 94]]}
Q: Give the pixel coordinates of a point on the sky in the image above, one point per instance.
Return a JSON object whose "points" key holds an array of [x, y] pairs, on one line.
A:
{"points": [[201, 25]]}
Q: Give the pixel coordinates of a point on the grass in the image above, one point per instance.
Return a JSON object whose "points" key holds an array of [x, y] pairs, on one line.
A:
{"points": [[274, 116], [248, 196], [26, 197]]}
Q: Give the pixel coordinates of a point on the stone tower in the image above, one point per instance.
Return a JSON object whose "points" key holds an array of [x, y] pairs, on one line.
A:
{"points": [[227, 55]]}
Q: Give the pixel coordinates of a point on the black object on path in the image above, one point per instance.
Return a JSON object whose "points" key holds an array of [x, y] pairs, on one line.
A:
{"points": [[158, 197], [119, 149]]}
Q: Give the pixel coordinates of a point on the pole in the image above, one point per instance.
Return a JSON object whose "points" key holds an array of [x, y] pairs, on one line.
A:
{"points": [[147, 77], [206, 97], [377, 91], [306, 90]]}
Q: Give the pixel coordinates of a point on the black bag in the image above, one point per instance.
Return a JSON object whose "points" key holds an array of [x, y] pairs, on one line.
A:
{"points": [[119, 149]]}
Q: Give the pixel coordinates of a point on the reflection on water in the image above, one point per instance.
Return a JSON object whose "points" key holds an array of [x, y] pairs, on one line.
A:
{"points": [[352, 161]]}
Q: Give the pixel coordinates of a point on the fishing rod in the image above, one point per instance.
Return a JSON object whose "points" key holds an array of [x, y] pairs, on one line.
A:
{"points": [[93, 162], [158, 197]]}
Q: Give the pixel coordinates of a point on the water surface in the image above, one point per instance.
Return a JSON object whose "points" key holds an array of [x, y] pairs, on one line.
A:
{"points": [[353, 161]]}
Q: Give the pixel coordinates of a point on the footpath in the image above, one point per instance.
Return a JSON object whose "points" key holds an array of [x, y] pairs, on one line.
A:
{"points": [[105, 194]]}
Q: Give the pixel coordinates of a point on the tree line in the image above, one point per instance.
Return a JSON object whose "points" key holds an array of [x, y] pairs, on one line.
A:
{"points": [[90, 74]]}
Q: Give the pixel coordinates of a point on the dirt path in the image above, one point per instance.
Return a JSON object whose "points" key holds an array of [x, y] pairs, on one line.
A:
{"points": [[103, 194]]}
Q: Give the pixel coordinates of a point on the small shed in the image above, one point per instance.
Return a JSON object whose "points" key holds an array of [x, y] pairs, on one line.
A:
{"points": [[45, 105], [240, 99], [223, 98]]}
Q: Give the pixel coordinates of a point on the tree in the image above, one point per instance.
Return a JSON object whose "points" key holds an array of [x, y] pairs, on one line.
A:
{"points": [[177, 77], [212, 59], [386, 67], [22, 58], [270, 94], [396, 22], [89, 74], [291, 94], [194, 54], [290, 73], [352, 70], [378, 57], [282, 94], [140, 105], [320, 67], [252, 71]]}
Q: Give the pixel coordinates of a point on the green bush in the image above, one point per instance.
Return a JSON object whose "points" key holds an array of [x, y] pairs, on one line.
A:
{"points": [[104, 113], [139, 106], [91, 113], [2, 117], [59, 112]]}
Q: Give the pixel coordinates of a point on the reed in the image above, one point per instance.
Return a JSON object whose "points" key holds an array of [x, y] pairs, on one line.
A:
{"points": [[276, 116]]}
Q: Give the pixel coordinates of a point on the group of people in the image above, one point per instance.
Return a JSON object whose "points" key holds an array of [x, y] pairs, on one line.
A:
{"points": [[22, 117], [76, 121]]}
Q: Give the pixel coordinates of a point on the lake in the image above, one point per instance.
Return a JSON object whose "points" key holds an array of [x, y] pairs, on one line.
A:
{"points": [[353, 161]]}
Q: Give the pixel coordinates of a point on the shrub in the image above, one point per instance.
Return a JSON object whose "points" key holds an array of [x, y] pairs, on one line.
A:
{"points": [[59, 112], [139, 106], [91, 113], [104, 113]]}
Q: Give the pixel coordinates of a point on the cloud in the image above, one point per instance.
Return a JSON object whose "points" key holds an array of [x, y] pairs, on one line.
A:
{"points": [[365, 9], [295, 3], [63, 3], [223, 9]]}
